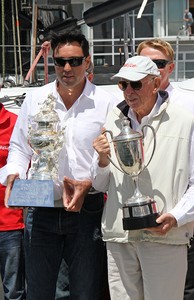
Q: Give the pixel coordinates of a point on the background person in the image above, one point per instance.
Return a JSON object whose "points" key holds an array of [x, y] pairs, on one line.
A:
{"points": [[142, 263], [73, 233], [188, 18], [162, 53], [90, 72], [11, 224]]}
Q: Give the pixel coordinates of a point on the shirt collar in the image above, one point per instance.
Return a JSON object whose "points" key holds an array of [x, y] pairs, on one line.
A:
{"points": [[88, 90], [169, 89]]}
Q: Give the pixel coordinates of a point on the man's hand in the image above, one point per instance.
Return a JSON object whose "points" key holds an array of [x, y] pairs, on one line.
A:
{"points": [[101, 145], [74, 193], [166, 221], [10, 181]]}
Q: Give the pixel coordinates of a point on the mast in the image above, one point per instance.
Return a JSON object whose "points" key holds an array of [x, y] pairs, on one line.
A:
{"points": [[19, 45], [33, 37], [3, 37]]}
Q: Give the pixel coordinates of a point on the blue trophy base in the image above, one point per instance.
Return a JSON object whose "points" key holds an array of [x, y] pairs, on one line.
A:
{"points": [[35, 193]]}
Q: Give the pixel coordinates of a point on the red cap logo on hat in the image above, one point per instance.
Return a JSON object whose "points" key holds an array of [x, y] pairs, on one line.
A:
{"points": [[138, 67]]}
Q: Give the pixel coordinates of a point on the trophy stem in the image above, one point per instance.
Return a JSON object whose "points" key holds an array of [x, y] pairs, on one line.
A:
{"points": [[137, 194]]}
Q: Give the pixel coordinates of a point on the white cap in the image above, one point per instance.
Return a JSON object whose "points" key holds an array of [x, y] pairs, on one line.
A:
{"points": [[138, 67]]}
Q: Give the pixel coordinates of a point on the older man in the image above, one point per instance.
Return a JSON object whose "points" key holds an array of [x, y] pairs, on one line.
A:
{"points": [[151, 263]]}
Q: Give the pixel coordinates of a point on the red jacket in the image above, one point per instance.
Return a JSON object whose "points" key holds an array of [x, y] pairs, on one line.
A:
{"points": [[10, 219]]}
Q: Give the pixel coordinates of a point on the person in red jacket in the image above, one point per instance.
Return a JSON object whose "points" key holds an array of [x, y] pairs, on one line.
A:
{"points": [[11, 225]]}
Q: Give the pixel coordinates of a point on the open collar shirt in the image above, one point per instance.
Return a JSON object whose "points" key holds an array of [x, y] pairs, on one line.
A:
{"points": [[82, 123]]}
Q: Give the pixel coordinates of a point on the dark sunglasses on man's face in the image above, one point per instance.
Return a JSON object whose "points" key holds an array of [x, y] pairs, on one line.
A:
{"points": [[135, 85], [73, 61], [161, 63]]}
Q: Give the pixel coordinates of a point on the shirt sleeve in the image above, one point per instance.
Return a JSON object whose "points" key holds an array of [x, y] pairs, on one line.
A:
{"points": [[19, 150], [184, 210], [100, 176]]}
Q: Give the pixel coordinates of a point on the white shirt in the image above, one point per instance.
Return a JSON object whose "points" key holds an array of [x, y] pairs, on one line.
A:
{"points": [[82, 122], [184, 99], [181, 97]]}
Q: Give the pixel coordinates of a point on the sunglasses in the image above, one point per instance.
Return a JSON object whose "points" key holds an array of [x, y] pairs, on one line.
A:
{"points": [[135, 85], [73, 62], [161, 63]]}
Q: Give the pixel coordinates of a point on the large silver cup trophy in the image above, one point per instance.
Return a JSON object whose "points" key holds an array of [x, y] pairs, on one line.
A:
{"points": [[46, 140], [139, 211]]}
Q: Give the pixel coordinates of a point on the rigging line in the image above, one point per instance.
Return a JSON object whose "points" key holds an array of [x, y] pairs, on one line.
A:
{"points": [[14, 41]]}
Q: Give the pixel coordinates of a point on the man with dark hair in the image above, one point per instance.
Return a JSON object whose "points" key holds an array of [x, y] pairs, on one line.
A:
{"points": [[72, 229]]}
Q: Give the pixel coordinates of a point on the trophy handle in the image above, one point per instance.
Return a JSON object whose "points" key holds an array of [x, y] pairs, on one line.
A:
{"points": [[111, 134], [154, 145]]}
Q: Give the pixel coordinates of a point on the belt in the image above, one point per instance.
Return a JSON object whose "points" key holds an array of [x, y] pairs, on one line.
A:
{"points": [[92, 191]]}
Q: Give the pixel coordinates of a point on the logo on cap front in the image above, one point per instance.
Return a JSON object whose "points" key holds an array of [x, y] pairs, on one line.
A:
{"points": [[130, 65]]}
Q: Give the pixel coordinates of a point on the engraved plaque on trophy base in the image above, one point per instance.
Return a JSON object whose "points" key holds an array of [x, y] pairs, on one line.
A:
{"points": [[35, 193], [140, 215]]}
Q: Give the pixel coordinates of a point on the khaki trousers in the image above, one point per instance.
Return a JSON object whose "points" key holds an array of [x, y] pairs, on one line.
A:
{"points": [[146, 271]]}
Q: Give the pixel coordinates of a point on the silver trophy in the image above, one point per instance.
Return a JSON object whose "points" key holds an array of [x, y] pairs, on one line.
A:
{"points": [[46, 140], [139, 211]]}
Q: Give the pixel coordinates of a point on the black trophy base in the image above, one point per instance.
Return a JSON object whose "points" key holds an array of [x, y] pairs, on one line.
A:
{"points": [[32, 193], [133, 223]]}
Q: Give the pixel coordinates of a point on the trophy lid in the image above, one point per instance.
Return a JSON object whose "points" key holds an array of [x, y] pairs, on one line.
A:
{"points": [[47, 112], [127, 133]]}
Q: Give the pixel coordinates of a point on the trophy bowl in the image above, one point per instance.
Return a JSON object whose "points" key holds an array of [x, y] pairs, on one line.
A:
{"points": [[43, 141], [139, 211]]}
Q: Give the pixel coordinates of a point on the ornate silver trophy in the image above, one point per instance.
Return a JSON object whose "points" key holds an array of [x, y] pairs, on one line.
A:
{"points": [[139, 211], [46, 141]]}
